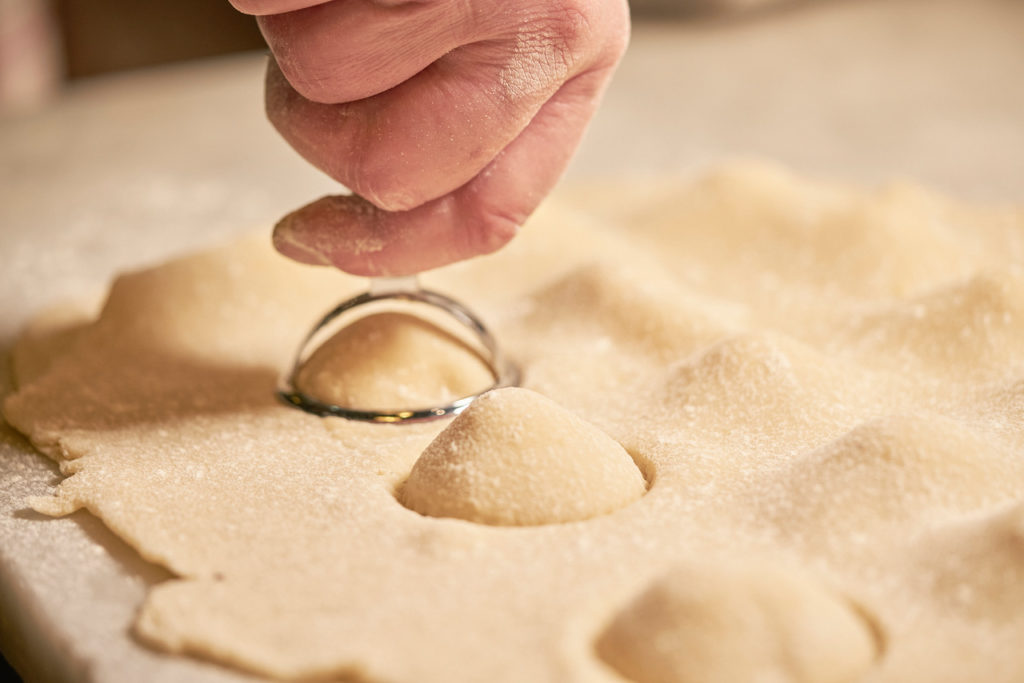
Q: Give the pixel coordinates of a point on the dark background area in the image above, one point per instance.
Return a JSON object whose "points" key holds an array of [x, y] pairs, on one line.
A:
{"points": [[100, 36], [45, 44], [110, 35], [6, 672]]}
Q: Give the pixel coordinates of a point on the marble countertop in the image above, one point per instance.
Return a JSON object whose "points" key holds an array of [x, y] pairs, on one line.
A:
{"points": [[124, 171]]}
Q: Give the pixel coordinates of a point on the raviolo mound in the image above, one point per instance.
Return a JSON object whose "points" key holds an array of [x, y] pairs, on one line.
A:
{"points": [[516, 458], [390, 362], [732, 622]]}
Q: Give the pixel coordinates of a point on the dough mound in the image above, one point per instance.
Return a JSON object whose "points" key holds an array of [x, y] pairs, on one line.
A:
{"points": [[891, 471], [976, 566], [390, 362], [517, 458], [979, 320], [764, 383], [883, 243], [655, 315], [726, 624]]}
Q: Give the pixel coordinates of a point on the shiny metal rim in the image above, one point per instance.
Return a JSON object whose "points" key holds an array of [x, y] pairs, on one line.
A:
{"points": [[505, 372]]}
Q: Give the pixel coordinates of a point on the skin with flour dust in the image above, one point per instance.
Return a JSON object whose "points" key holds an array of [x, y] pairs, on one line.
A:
{"points": [[449, 121]]}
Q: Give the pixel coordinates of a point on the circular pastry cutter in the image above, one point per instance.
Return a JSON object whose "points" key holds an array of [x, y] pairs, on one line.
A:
{"points": [[382, 291]]}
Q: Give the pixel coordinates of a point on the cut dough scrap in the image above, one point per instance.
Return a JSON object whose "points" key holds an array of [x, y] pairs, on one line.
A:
{"points": [[735, 623], [515, 457], [392, 362]]}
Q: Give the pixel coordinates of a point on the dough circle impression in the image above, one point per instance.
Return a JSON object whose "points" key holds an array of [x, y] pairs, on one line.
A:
{"points": [[750, 622], [718, 370], [392, 361]]}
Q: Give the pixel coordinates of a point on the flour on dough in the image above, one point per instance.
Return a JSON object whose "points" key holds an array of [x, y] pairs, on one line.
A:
{"points": [[742, 365]]}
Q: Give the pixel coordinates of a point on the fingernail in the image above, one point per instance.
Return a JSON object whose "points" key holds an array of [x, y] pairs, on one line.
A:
{"points": [[287, 241]]}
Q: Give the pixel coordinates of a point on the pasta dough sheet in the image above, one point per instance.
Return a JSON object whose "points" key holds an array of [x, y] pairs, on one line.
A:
{"points": [[821, 390]]}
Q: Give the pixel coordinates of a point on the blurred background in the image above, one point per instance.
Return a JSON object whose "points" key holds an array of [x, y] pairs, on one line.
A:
{"points": [[45, 43]]}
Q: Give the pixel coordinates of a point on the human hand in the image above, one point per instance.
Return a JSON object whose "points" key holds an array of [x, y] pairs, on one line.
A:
{"points": [[450, 120]]}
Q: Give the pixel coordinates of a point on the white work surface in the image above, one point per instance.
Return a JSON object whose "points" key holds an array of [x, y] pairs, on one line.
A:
{"points": [[125, 171]]}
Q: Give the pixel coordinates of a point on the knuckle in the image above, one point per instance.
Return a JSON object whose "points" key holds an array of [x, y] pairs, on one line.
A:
{"points": [[381, 183], [308, 76], [572, 20], [566, 31], [491, 227], [545, 49], [617, 37], [591, 31], [310, 61]]}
